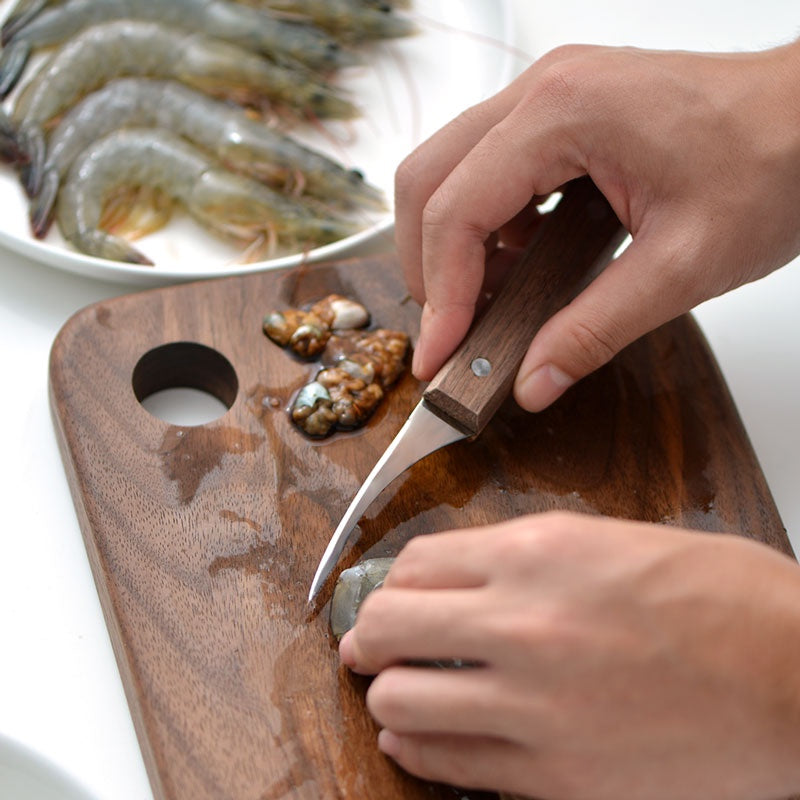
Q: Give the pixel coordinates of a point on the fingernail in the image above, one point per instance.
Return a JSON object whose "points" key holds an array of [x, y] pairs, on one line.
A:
{"points": [[389, 743], [418, 359], [541, 387], [346, 655]]}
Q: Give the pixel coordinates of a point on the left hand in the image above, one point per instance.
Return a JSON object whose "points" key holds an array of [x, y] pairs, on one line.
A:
{"points": [[616, 659]]}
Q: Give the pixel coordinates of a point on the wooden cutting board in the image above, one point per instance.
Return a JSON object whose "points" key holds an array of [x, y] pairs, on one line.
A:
{"points": [[203, 540]]}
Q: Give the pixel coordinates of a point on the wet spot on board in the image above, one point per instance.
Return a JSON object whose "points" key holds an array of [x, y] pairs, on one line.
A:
{"points": [[190, 454]]}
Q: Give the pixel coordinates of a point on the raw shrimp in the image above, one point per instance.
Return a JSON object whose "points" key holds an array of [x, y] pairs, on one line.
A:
{"points": [[161, 162], [135, 48], [352, 588], [250, 28], [347, 20], [241, 143], [127, 47]]}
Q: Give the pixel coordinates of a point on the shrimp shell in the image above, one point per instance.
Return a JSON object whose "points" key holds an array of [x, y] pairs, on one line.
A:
{"points": [[226, 203], [240, 142], [249, 28]]}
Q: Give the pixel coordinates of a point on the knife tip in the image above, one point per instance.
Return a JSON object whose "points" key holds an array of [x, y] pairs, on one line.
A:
{"points": [[319, 579]]}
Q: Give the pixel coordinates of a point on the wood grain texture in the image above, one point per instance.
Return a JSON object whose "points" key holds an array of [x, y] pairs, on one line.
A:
{"points": [[578, 237], [203, 540]]}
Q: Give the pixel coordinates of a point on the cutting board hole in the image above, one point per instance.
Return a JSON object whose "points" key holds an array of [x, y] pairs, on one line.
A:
{"points": [[185, 383]]}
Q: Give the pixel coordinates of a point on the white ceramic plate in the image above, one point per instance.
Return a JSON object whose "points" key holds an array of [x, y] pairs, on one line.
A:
{"points": [[24, 775], [407, 90]]}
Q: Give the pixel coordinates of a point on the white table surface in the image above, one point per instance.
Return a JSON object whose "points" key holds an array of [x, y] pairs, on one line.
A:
{"points": [[60, 691]]}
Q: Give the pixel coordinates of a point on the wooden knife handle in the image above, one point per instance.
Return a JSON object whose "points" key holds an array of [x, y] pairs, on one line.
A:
{"points": [[577, 237]]}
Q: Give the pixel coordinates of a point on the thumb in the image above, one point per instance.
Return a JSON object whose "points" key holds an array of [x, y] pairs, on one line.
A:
{"points": [[644, 287]]}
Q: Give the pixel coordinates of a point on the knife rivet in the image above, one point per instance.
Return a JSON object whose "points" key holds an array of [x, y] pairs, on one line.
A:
{"points": [[481, 367]]}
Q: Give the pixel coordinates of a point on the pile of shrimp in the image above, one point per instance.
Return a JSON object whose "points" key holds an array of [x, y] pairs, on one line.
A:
{"points": [[140, 105]]}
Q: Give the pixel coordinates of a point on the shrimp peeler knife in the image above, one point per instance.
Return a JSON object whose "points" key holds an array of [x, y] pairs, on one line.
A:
{"points": [[574, 240]]}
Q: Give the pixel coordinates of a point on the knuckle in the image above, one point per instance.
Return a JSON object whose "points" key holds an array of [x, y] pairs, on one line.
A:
{"points": [[560, 84], [566, 52], [534, 539], [371, 627], [514, 545], [595, 341], [419, 561], [371, 615], [444, 220], [408, 565], [570, 77], [556, 523], [556, 532], [437, 213], [386, 701], [413, 549], [524, 534]]}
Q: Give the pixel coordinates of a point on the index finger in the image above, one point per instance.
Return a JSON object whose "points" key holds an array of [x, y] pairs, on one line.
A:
{"points": [[526, 154], [423, 171]]}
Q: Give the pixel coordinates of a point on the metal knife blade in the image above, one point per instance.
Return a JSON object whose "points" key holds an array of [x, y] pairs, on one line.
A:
{"points": [[578, 236], [422, 434]]}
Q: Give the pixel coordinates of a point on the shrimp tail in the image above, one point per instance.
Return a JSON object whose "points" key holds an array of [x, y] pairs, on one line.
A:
{"points": [[105, 245], [8, 138], [12, 63], [43, 203], [18, 19], [14, 148], [33, 150]]}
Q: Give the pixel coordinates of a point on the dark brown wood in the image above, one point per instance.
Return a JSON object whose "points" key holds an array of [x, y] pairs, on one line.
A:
{"points": [[578, 237], [203, 540]]}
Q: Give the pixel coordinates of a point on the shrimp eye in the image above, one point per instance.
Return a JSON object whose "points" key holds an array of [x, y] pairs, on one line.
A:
{"points": [[356, 175], [333, 47]]}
